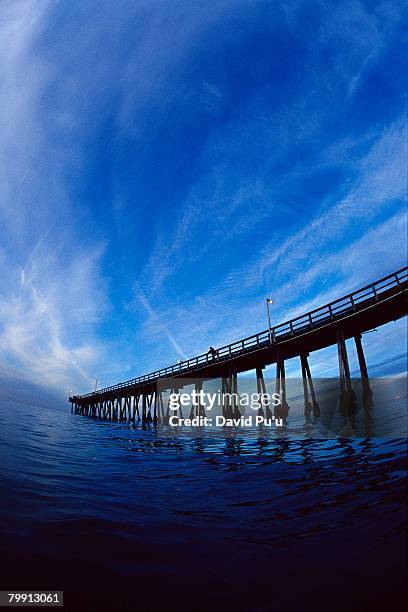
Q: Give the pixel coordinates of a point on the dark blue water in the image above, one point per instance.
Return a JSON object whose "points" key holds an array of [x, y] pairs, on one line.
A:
{"points": [[125, 518]]}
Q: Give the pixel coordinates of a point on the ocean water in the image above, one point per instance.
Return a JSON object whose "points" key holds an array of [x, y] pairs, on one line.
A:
{"points": [[122, 517]]}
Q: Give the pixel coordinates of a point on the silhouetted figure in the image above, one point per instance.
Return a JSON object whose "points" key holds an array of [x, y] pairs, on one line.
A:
{"points": [[212, 352]]}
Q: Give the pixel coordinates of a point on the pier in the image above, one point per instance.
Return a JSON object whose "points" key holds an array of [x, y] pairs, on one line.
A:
{"points": [[141, 398]]}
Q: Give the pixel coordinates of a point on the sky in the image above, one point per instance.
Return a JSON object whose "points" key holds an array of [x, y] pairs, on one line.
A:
{"points": [[166, 165]]}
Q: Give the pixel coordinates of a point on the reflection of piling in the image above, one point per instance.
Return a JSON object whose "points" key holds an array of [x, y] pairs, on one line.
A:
{"points": [[282, 409], [310, 406], [365, 381], [347, 395]]}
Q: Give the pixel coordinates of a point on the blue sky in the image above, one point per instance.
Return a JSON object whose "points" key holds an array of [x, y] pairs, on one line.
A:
{"points": [[167, 165]]}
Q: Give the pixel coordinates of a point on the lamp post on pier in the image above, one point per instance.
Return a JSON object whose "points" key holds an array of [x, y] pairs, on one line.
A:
{"points": [[269, 301]]}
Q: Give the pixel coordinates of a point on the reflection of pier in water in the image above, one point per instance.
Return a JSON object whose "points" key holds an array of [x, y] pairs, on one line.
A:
{"points": [[142, 398]]}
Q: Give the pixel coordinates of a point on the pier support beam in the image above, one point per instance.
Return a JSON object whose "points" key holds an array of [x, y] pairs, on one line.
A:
{"points": [[261, 390], [173, 390], [310, 406], [200, 407], [126, 409], [230, 408], [160, 407], [236, 413], [224, 391], [148, 402], [144, 407], [347, 396], [156, 405], [136, 407], [365, 381], [282, 410], [197, 409]]}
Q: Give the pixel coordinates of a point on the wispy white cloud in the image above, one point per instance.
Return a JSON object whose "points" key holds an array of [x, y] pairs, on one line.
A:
{"points": [[355, 34], [52, 291], [158, 326], [378, 182], [46, 318]]}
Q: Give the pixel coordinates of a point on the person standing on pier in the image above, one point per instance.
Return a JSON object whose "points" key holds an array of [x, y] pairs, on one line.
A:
{"points": [[212, 352]]}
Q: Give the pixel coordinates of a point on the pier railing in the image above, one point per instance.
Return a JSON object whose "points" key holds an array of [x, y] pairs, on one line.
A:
{"points": [[306, 323]]}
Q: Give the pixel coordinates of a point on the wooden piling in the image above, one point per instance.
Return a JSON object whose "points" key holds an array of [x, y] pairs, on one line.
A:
{"points": [[347, 395], [236, 413], [310, 406], [365, 381], [261, 389], [155, 406], [282, 409]]}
